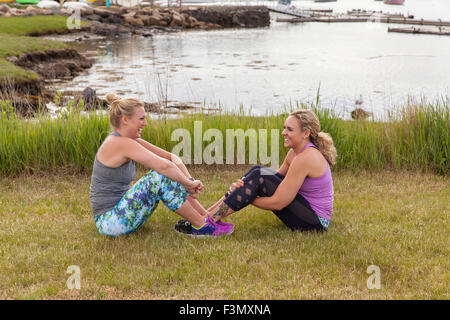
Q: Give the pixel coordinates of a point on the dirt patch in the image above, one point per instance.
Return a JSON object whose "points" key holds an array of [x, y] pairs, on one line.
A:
{"points": [[53, 64], [27, 95]]}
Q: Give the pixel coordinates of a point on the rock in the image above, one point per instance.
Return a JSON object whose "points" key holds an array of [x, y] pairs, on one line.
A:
{"points": [[163, 23], [156, 13], [130, 14], [102, 28], [4, 8], [103, 13], [86, 11], [360, 114], [90, 98], [14, 12], [177, 20], [134, 21], [228, 16], [29, 14], [46, 12], [144, 33], [112, 19], [93, 17], [153, 21], [148, 20], [148, 10]]}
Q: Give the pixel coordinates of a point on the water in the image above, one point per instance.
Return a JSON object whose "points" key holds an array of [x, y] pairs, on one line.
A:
{"points": [[269, 69]]}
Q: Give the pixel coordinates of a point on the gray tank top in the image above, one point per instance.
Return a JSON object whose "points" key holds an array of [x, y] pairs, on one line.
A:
{"points": [[109, 185]]}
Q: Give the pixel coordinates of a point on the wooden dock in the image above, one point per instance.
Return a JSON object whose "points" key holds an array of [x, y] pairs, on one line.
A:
{"points": [[316, 10], [288, 12], [422, 22], [355, 16], [437, 31]]}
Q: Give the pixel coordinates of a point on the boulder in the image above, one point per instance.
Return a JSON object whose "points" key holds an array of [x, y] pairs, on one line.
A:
{"points": [[130, 14], [4, 8], [134, 21], [90, 98], [177, 20], [163, 23], [103, 12], [93, 17], [153, 21], [86, 11], [32, 9], [147, 20]]}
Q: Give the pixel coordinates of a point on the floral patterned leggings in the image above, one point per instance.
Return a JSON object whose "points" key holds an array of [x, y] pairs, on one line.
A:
{"points": [[138, 204]]}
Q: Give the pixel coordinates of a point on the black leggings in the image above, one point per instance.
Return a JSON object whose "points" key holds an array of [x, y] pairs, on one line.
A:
{"points": [[261, 181]]}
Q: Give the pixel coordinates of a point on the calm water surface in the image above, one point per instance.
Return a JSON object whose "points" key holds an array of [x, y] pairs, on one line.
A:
{"points": [[268, 69]]}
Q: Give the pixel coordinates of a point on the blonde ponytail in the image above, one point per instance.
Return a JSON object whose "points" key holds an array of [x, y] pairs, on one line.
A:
{"points": [[324, 142]]}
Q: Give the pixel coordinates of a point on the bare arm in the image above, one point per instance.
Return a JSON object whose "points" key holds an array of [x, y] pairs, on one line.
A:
{"points": [[136, 151], [288, 188], [166, 155], [286, 163]]}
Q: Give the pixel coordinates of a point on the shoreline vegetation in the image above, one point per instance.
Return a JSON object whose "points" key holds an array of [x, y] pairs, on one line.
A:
{"points": [[414, 138]]}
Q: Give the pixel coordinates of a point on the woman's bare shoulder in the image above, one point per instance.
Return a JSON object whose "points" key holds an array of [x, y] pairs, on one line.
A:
{"points": [[112, 150]]}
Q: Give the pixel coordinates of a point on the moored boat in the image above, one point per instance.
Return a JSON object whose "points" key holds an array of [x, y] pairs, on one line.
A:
{"points": [[393, 1]]}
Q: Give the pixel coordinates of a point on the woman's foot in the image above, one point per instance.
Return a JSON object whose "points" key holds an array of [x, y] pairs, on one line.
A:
{"points": [[222, 228]]}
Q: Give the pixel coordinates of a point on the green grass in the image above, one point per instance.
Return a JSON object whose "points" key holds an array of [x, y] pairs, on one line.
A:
{"points": [[12, 45], [37, 25], [417, 139], [397, 221], [14, 41]]}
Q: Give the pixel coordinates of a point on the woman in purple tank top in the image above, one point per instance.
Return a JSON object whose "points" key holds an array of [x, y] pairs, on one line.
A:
{"points": [[300, 193]]}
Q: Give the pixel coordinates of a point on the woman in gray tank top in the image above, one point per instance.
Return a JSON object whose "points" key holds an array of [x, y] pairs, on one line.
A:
{"points": [[120, 209]]}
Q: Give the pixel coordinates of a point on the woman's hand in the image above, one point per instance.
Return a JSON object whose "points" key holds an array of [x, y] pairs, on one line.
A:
{"points": [[194, 187], [236, 185]]}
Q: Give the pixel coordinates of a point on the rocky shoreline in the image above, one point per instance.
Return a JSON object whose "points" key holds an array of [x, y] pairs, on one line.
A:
{"points": [[26, 95], [122, 21]]}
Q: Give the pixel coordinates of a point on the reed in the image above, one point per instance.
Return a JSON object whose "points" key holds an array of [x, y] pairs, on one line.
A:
{"points": [[416, 137]]}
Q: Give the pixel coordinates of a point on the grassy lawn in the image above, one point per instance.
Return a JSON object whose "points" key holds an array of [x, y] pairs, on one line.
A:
{"points": [[23, 26], [12, 45], [397, 221], [14, 40]]}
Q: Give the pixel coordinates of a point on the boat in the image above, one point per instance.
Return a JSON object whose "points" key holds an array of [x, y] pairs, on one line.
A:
{"points": [[27, 1], [393, 1]]}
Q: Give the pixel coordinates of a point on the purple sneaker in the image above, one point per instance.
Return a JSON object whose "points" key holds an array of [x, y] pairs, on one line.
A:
{"points": [[225, 224], [222, 228]]}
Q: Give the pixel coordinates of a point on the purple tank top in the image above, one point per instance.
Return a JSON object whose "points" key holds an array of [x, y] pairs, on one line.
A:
{"points": [[319, 191]]}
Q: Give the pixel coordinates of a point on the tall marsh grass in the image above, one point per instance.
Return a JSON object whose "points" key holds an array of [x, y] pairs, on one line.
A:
{"points": [[415, 137]]}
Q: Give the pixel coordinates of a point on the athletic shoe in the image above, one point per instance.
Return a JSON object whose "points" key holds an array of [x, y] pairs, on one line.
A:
{"points": [[209, 229], [228, 228], [184, 226]]}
